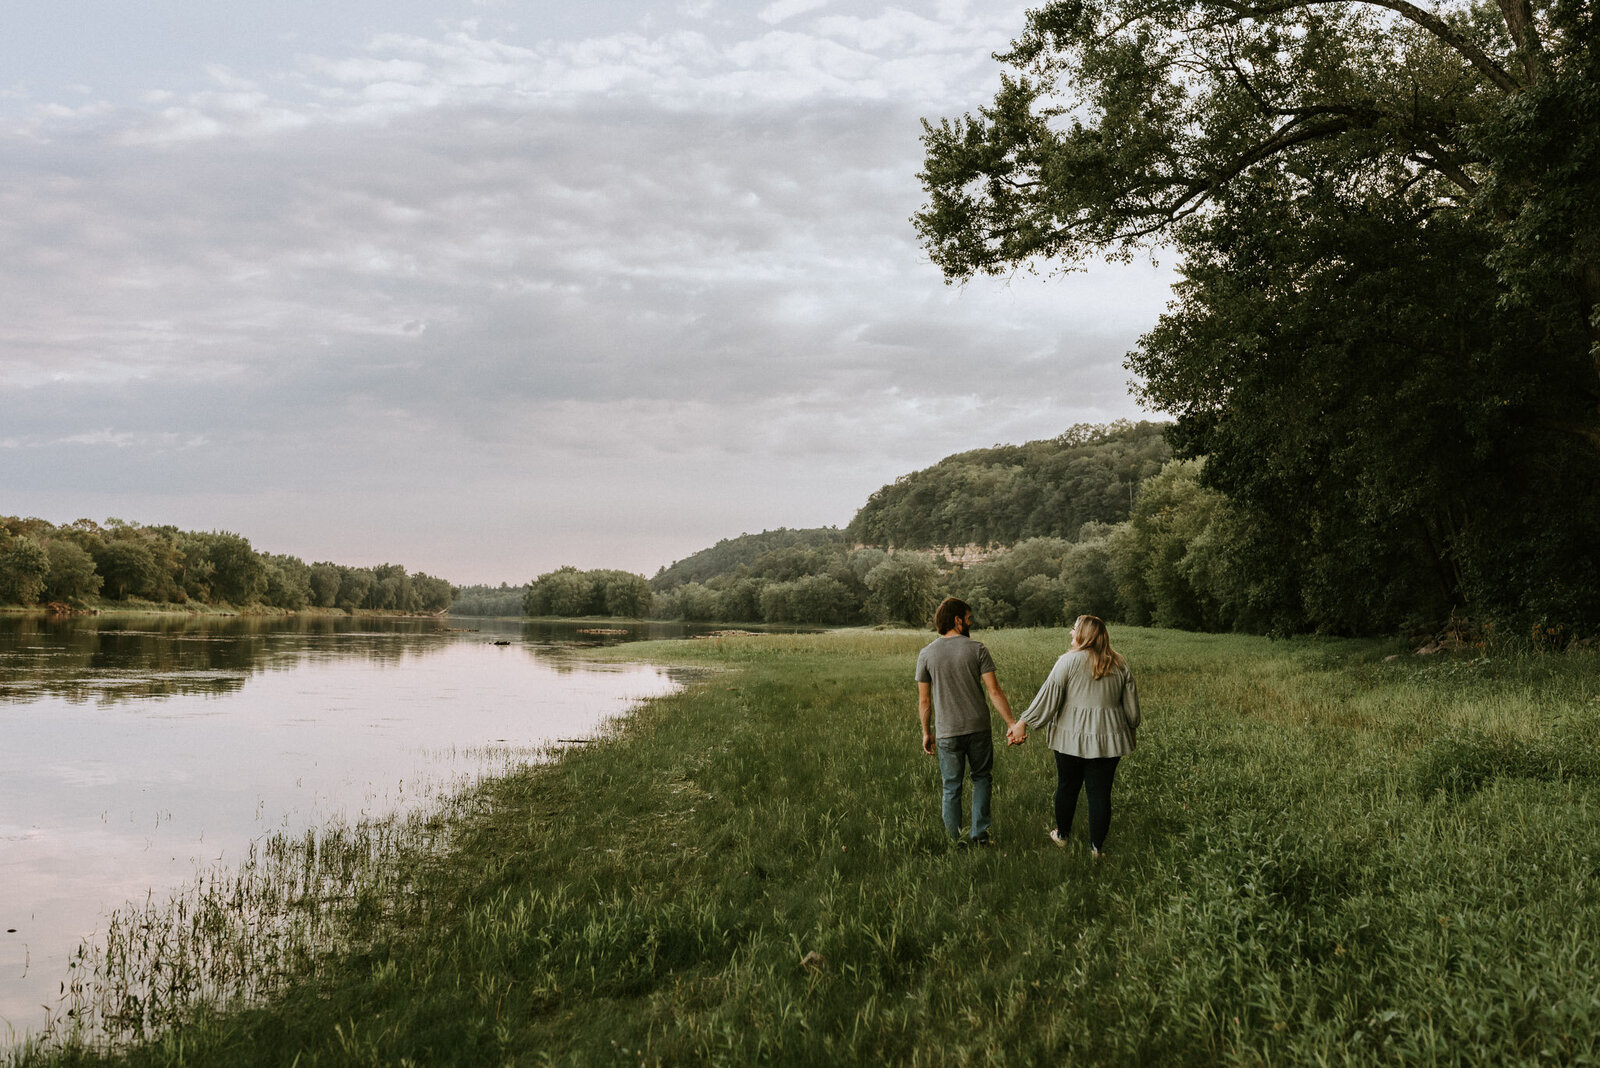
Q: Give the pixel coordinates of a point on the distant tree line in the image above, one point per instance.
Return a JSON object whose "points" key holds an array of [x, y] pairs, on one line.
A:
{"points": [[504, 601], [84, 562], [810, 580], [1173, 562], [1030, 534], [1031, 528]]}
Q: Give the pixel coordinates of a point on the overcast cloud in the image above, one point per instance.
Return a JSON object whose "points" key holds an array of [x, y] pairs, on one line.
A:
{"points": [[482, 289]]}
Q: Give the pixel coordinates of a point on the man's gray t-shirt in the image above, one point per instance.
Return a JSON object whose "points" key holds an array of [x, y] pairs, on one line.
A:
{"points": [[955, 666]]}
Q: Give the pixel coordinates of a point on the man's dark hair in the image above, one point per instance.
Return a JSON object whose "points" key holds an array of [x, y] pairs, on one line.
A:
{"points": [[950, 609]]}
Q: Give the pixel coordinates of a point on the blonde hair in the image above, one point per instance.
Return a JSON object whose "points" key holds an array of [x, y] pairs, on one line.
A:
{"points": [[1090, 635]]}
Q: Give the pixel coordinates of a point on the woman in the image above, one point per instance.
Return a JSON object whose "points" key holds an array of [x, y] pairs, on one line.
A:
{"points": [[1090, 711]]}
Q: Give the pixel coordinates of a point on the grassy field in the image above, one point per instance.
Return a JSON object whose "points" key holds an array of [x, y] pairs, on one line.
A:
{"points": [[1318, 856]]}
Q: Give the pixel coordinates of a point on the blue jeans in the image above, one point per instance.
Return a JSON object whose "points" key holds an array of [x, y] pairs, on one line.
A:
{"points": [[978, 750]]}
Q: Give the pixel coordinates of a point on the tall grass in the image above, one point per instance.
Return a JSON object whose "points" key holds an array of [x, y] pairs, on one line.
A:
{"points": [[1318, 857]]}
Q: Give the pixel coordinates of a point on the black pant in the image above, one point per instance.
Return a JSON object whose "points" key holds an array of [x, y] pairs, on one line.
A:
{"points": [[1093, 775]]}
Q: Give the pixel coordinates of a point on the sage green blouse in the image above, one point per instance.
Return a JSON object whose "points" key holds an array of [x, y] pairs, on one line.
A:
{"points": [[1084, 716]]}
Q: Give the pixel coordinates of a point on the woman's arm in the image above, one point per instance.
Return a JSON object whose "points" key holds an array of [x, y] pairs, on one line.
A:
{"points": [[1130, 701], [1047, 702]]}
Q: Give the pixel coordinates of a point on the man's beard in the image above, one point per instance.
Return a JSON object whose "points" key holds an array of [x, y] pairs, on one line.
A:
{"points": [[963, 628]]}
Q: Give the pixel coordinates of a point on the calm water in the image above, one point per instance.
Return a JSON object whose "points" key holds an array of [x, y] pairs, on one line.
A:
{"points": [[135, 751]]}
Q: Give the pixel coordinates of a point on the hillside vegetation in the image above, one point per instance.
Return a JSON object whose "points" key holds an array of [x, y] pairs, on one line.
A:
{"points": [[1010, 493], [1028, 527]]}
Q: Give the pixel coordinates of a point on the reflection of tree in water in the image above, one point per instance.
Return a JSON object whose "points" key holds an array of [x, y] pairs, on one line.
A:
{"points": [[110, 659], [121, 658]]}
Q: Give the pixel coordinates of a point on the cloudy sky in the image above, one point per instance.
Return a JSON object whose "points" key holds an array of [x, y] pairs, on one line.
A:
{"points": [[483, 287]]}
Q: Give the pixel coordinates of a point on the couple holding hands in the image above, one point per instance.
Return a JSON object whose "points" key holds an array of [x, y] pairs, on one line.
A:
{"points": [[1088, 708]]}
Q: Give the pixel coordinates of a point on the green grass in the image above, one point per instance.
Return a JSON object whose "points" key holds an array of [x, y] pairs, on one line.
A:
{"points": [[1318, 857]]}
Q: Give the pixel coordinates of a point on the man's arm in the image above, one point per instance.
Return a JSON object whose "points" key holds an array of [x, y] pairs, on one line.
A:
{"points": [[998, 696], [925, 713]]}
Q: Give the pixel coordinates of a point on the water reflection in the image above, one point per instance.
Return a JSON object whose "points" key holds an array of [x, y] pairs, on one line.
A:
{"points": [[136, 750], [107, 659]]}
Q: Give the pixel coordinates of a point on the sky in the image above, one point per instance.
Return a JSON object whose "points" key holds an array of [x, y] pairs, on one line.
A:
{"points": [[487, 287]]}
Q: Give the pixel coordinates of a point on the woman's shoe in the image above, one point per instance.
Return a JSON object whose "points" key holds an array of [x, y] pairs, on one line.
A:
{"points": [[1055, 836], [1097, 854]]}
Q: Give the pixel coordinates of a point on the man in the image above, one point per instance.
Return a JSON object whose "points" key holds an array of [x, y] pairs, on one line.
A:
{"points": [[953, 671]]}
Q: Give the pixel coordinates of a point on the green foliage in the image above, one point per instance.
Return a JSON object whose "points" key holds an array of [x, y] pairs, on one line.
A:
{"points": [[123, 561], [1386, 339], [238, 575], [729, 554], [569, 592], [287, 582], [815, 599], [24, 569], [1011, 493], [325, 581], [904, 588], [1457, 483], [1173, 562], [129, 569], [503, 601], [356, 586], [624, 594], [72, 577]]}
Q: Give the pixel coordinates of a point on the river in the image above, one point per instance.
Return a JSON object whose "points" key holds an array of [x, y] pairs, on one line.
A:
{"points": [[138, 751]]}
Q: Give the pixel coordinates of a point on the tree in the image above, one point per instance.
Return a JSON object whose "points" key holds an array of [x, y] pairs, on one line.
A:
{"points": [[356, 585], [817, 599], [24, 565], [128, 568], [238, 575], [433, 594], [1166, 571], [288, 582], [694, 603], [72, 576], [1385, 339], [904, 589], [565, 591], [626, 595], [1088, 582], [325, 580], [392, 590], [1127, 117]]}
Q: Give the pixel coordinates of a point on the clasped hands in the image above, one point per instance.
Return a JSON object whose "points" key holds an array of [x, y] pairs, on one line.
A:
{"points": [[1017, 733]]}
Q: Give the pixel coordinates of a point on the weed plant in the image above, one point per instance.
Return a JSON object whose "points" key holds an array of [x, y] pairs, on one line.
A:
{"points": [[1318, 856]]}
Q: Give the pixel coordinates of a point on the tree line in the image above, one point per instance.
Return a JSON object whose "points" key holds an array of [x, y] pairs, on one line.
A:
{"points": [[86, 562], [1045, 494], [1167, 564]]}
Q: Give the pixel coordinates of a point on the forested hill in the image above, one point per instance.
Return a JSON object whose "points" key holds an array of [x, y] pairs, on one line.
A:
{"points": [[1009, 493], [729, 554]]}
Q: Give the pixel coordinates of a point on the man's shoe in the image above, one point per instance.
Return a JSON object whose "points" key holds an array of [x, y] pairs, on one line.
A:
{"points": [[985, 842], [1055, 836]]}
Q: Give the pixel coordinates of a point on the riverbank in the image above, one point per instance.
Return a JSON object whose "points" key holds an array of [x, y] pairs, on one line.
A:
{"points": [[1318, 855]]}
